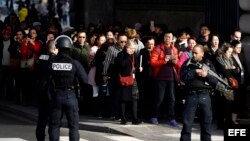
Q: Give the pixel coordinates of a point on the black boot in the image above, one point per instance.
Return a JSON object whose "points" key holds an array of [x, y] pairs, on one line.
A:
{"points": [[123, 121], [136, 121]]}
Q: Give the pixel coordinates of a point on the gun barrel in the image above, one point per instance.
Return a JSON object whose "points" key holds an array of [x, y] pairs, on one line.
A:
{"points": [[218, 78]]}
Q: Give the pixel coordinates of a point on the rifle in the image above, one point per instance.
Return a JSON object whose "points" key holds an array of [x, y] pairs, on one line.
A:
{"points": [[209, 71], [221, 86]]}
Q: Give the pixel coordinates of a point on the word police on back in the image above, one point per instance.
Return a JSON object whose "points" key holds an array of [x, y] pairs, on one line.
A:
{"points": [[62, 66]]}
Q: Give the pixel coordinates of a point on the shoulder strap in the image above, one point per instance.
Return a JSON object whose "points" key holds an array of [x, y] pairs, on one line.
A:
{"points": [[189, 54], [133, 63]]}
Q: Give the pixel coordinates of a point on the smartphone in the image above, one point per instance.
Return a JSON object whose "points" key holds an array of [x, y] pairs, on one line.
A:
{"points": [[172, 58], [26, 31], [152, 23]]}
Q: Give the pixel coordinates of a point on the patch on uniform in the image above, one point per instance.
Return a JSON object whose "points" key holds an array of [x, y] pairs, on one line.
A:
{"points": [[62, 66], [44, 57]]}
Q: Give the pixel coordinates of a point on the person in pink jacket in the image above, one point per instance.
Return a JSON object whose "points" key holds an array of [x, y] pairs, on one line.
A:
{"points": [[188, 53]]}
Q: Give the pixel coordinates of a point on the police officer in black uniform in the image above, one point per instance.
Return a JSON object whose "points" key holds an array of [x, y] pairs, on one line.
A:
{"points": [[42, 77], [199, 84], [64, 71]]}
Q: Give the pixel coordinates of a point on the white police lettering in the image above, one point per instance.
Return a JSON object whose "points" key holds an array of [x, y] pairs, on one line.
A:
{"points": [[237, 132], [44, 57], [62, 66]]}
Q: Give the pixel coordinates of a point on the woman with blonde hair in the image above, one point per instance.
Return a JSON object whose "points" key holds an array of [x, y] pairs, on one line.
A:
{"points": [[126, 65]]}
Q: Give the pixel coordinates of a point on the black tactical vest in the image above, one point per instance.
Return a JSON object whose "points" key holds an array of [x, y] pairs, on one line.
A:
{"points": [[63, 71], [197, 82]]}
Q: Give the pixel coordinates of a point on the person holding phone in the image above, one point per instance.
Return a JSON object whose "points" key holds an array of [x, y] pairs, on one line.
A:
{"points": [[163, 60], [30, 50]]}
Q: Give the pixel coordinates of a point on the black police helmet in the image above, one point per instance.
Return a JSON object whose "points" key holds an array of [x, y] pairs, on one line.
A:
{"points": [[63, 41]]}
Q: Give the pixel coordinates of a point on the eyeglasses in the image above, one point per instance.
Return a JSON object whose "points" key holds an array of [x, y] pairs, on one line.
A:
{"points": [[81, 37]]}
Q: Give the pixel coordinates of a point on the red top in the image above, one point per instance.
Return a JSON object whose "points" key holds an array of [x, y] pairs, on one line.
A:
{"points": [[28, 50], [157, 59]]}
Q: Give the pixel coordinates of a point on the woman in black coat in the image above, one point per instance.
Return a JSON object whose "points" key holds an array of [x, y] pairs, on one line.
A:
{"points": [[228, 70], [126, 65], [240, 103]]}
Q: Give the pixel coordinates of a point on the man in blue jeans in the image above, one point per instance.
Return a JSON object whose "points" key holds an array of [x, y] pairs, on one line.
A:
{"points": [[163, 60], [199, 85]]}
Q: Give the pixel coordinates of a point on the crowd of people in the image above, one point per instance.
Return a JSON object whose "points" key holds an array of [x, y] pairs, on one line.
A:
{"points": [[156, 59]]}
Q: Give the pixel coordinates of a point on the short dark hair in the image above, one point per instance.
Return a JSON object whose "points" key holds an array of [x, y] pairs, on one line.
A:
{"points": [[122, 34], [234, 43], [205, 25], [163, 27], [50, 32], [192, 38], [169, 31], [21, 30], [81, 31], [147, 38], [237, 29], [180, 32], [33, 28], [211, 37]]}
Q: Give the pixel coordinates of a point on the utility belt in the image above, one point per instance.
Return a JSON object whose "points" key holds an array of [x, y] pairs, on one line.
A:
{"points": [[196, 91], [65, 88]]}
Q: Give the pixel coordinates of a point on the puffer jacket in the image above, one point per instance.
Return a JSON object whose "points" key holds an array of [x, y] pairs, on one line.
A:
{"points": [[157, 59]]}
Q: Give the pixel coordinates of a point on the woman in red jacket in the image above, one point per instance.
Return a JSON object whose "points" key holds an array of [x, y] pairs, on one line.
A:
{"points": [[30, 50]]}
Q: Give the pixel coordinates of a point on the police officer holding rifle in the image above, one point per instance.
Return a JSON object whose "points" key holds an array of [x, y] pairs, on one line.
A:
{"points": [[199, 79]]}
